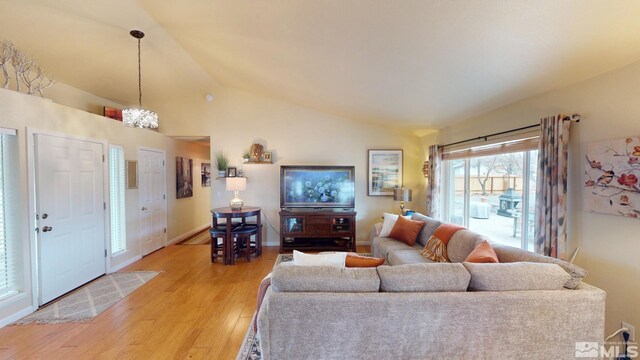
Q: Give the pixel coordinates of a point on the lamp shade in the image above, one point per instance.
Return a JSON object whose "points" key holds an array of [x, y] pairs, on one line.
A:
{"points": [[402, 194], [236, 183]]}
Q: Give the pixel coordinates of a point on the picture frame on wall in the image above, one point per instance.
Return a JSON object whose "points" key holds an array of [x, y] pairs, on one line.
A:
{"points": [[112, 113], [267, 157], [384, 172], [232, 172], [184, 178], [205, 171]]}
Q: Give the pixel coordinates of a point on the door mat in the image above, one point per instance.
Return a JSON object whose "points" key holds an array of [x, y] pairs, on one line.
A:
{"points": [[90, 300]]}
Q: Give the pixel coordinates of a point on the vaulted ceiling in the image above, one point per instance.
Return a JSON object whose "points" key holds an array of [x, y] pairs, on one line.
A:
{"points": [[415, 64]]}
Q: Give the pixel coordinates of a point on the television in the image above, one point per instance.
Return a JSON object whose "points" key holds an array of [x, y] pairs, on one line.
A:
{"points": [[317, 187]]}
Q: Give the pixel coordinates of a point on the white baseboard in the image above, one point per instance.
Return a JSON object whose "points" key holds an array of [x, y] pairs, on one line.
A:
{"points": [[125, 264], [188, 234], [16, 316]]}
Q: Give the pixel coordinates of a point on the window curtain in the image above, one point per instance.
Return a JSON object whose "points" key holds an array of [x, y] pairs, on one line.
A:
{"points": [[433, 187], [551, 185]]}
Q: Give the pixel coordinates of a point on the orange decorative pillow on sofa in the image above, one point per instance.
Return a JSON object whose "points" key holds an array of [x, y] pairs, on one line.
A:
{"points": [[483, 253], [406, 230], [355, 260]]}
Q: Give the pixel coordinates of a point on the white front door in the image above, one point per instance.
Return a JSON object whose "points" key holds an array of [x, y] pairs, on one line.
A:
{"points": [[153, 205], [70, 209]]}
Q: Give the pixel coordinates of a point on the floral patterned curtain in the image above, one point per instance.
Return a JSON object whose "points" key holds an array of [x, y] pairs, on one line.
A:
{"points": [[433, 187], [551, 185]]}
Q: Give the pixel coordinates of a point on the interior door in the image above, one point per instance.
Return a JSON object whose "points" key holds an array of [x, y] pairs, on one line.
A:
{"points": [[153, 205], [70, 209]]}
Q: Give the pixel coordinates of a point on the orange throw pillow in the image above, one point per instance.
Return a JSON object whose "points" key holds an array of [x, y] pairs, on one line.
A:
{"points": [[355, 260], [406, 230], [483, 253]]}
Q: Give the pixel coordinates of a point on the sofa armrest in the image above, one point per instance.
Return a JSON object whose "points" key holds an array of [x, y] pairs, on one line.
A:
{"points": [[375, 231]]}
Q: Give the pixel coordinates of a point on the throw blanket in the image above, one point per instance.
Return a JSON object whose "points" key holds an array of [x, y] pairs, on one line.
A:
{"points": [[264, 285], [436, 248]]}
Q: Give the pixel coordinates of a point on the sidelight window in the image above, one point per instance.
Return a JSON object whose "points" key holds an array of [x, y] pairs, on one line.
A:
{"points": [[9, 228], [117, 199]]}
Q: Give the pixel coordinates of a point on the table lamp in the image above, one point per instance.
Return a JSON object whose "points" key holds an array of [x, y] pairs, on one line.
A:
{"points": [[402, 195], [236, 184]]}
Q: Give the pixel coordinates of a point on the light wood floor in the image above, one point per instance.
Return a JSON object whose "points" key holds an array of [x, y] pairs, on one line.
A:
{"points": [[192, 310]]}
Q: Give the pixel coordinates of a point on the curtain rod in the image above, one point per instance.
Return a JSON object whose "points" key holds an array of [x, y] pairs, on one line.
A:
{"points": [[574, 117]]}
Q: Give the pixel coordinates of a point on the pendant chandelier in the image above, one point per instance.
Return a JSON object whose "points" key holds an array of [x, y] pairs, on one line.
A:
{"points": [[139, 117]]}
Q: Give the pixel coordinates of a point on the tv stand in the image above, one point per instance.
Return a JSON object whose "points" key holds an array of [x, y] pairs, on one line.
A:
{"points": [[317, 230]]}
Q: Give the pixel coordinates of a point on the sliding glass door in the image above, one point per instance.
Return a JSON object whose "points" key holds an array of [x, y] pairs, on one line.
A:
{"points": [[493, 195]]}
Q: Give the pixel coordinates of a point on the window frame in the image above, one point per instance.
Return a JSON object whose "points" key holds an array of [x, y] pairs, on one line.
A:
{"points": [[524, 145]]}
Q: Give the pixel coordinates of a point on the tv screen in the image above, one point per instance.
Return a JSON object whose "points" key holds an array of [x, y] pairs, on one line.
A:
{"points": [[317, 187]]}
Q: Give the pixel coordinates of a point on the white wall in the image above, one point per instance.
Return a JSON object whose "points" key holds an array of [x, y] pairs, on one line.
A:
{"points": [[19, 111], [610, 245], [296, 136]]}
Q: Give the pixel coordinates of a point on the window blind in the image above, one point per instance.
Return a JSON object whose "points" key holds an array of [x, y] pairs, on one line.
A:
{"points": [[525, 144], [9, 242], [117, 199]]}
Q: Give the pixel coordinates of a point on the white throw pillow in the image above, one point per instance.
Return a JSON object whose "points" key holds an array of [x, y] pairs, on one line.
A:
{"points": [[389, 221], [334, 259]]}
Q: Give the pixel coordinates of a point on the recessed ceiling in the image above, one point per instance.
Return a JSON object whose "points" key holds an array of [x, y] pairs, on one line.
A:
{"points": [[415, 64]]}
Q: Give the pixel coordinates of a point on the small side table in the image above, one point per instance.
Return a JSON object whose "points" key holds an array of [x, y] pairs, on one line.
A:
{"points": [[228, 214]]}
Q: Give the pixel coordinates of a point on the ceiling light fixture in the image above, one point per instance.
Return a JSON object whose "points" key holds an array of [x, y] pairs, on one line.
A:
{"points": [[139, 117]]}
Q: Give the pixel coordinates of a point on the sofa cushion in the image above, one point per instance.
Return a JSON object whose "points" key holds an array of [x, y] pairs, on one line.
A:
{"points": [[462, 244], [430, 225], [402, 257], [336, 259], [324, 279], [434, 277], [381, 247], [406, 230], [507, 254], [516, 276], [483, 253]]}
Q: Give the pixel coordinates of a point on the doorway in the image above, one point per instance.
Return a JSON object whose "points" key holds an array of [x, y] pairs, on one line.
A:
{"points": [[152, 199], [70, 213]]}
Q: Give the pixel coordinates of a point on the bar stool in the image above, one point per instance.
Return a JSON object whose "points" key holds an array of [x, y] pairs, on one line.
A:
{"points": [[243, 233]]}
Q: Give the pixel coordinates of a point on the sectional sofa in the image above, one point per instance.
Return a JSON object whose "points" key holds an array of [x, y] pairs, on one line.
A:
{"points": [[526, 307]]}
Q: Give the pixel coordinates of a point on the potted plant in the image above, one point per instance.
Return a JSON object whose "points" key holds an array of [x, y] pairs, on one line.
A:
{"points": [[222, 163]]}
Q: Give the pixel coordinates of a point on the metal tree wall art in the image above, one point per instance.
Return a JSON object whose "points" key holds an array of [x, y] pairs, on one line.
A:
{"points": [[26, 71], [6, 55]]}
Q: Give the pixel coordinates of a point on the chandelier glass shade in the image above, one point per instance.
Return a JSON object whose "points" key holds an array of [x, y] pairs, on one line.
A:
{"points": [[139, 117]]}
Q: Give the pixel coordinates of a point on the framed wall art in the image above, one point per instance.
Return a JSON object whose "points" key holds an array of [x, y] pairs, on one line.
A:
{"points": [[205, 173], [184, 178], [612, 170], [384, 172]]}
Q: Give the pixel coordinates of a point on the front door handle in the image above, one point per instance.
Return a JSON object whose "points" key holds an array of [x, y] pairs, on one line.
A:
{"points": [[144, 208], [47, 228]]}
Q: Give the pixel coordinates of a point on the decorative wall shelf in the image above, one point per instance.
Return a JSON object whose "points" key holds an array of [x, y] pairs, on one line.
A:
{"points": [[258, 162]]}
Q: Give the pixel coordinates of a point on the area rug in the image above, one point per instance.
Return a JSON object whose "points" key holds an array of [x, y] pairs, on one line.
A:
{"points": [[90, 300], [250, 348]]}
